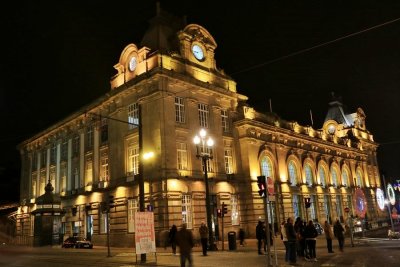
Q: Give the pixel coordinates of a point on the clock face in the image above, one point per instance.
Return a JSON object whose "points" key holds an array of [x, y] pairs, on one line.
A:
{"points": [[198, 52], [132, 64], [331, 128]]}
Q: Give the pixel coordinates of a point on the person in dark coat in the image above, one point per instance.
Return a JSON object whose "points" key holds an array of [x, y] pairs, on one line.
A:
{"points": [[301, 242], [184, 240], [172, 237], [338, 230], [329, 236], [241, 236], [260, 235], [203, 230], [291, 237], [310, 236]]}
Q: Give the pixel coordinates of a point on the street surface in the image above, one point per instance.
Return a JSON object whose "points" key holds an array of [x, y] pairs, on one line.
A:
{"points": [[370, 251]]}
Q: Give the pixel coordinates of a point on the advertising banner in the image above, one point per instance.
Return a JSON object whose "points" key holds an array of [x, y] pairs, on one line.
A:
{"points": [[145, 241]]}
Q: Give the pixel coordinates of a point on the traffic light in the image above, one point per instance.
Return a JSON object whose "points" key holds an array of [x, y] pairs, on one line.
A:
{"points": [[219, 212], [261, 186], [111, 202], [307, 202], [224, 209]]}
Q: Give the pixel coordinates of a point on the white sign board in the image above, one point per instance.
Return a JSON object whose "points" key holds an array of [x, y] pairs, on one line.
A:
{"points": [[145, 241]]}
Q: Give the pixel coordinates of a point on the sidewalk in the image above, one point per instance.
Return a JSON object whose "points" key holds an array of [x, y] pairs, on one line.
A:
{"points": [[243, 256]]}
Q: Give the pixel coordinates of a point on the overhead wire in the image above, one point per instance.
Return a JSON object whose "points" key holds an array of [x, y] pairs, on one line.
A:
{"points": [[313, 47]]}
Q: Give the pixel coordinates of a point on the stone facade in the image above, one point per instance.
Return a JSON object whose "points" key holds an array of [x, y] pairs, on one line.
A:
{"points": [[172, 91]]}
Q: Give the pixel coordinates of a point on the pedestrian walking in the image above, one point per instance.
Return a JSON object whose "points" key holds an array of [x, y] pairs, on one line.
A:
{"points": [[310, 236], [338, 231], [172, 237], [184, 239], [285, 241], [241, 237], [260, 235], [203, 230], [301, 242], [329, 236], [291, 236]]}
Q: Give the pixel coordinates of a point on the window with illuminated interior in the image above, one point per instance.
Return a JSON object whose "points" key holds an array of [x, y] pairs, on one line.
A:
{"points": [[309, 174], [266, 167], [322, 175], [334, 176], [133, 207], [133, 115], [234, 210], [345, 176], [179, 110], [293, 173], [203, 115], [182, 156], [187, 213], [133, 159]]}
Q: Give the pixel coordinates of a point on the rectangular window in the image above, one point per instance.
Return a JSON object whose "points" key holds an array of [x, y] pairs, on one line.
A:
{"points": [[104, 130], [133, 207], [234, 210], [225, 122], [228, 160], [187, 214], [89, 137], [89, 172], [203, 115], [104, 168], [179, 110], [133, 159], [133, 115], [210, 165], [103, 222], [182, 156]]}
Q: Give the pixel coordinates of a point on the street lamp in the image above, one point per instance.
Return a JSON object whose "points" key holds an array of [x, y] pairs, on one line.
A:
{"points": [[204, 151]]}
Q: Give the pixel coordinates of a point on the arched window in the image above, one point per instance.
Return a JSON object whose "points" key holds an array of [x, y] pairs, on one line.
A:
{"points": [[334, 176], [266, 167], [359, 178], [293, 174], [345, 177], [322, 176], [309, 174]]}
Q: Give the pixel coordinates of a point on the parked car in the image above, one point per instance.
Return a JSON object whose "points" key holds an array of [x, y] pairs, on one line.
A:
{"points": [[76, 242], [319, 228]]}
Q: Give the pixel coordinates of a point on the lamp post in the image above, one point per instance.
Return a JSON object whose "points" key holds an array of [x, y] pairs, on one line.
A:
{"points": [[141, 170], [204, 151]]}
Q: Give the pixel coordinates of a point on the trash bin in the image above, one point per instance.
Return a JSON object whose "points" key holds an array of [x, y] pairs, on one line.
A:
{"points": [[232, 240]]}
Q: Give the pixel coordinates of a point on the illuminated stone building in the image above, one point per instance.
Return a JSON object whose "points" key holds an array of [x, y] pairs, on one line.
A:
{"points": [[174, 79]]}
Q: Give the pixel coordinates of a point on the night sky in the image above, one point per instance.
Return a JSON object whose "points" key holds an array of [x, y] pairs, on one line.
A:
{"points": [[57, 56]]}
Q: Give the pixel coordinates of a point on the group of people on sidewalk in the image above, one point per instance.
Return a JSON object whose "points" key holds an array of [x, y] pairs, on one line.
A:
{"points": [[300, 239]]}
